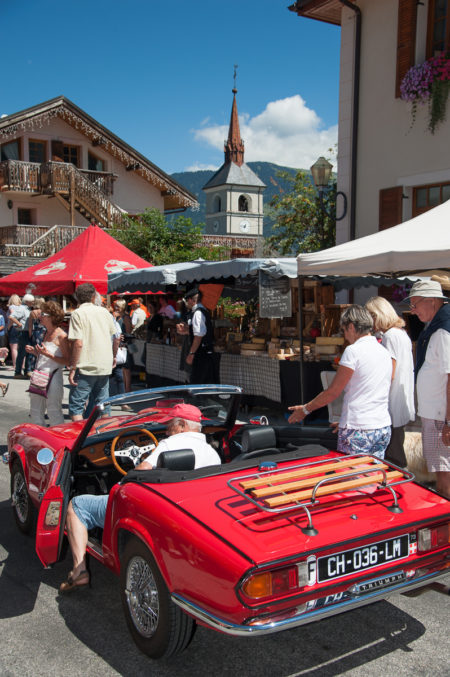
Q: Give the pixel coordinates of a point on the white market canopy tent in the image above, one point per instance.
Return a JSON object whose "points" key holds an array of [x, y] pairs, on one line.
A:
{"points": [[415, 246]]}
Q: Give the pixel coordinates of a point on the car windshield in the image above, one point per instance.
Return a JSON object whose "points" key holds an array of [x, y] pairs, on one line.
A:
{"points": [[217, 404]]}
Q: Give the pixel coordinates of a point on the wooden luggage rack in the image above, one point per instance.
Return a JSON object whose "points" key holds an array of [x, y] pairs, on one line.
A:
{"points": [[301, 486]]}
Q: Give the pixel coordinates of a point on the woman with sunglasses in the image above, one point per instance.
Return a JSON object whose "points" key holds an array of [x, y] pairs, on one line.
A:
{"points": [[52, 355]]}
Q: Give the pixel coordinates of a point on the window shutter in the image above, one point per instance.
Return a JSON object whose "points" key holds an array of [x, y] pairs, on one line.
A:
{"points": [[406, 39], [57, 151], [390, 207]]}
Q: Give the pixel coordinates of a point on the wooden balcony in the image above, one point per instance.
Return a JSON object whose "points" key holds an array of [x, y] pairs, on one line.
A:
{"points": [[33, 177], [39, 241]]}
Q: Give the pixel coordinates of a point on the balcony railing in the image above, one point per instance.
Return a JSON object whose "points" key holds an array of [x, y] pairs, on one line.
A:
{"points": [[26, 176], [36, 240], [23, 176]]}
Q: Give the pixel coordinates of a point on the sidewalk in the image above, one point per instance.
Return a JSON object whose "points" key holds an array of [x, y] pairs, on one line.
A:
{"points": [[15, 406]]}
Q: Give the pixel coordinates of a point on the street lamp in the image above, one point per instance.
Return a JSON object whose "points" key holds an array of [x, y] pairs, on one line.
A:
{"points": [[321, 173]]}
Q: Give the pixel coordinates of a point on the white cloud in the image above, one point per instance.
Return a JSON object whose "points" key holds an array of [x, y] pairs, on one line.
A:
{"points": [[287, 132], [198, 166]]}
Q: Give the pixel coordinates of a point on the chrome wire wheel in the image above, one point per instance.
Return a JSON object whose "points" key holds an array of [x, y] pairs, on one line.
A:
{"points": [[20, 497], [142, 596]]}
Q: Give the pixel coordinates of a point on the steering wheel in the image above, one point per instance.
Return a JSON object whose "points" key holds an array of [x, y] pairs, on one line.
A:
{"points": [[133, 452]]}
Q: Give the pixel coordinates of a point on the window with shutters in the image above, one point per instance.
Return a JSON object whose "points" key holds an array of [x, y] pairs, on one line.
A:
{"points": [[427, 197], [438, 34]]}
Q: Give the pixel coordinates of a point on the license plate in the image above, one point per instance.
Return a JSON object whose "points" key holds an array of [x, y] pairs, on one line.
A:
{"points": [[359, 559]]}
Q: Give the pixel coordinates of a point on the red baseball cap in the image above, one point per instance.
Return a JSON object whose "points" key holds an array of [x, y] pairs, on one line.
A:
{"points": [[186, 411]]}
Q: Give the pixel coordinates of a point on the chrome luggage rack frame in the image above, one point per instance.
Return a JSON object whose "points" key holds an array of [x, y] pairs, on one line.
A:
{"points": [[276, 490]]}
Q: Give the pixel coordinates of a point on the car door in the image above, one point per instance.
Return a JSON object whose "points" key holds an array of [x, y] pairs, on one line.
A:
{"points": [[53, 509]]}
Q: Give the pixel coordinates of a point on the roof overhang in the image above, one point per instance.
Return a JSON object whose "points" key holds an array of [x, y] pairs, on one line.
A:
{"points": [[322, 10], [174, 194]]}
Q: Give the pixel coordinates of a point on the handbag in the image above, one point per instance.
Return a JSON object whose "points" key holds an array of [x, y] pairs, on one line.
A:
{"points": [[121, 356], [40, 382]]}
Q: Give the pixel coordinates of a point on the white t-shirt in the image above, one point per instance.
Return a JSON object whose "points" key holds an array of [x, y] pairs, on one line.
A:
{"points": [[138, 318], [432, 377], [366, 395], [94, 326], [401, 398], [204, 453], [198, 321]]}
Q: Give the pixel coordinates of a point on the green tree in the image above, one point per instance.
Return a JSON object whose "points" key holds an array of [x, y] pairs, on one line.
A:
{"points": [[152, 237], [300, 224]]}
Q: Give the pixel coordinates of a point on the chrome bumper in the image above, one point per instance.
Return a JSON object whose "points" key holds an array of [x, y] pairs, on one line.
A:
{"points": [[264, 626]]}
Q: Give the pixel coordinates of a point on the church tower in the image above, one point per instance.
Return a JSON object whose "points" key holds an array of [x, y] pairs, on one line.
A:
{"points": [[234, 194]]}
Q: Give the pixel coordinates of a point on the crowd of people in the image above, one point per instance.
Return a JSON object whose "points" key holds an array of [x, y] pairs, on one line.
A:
{"points": [[375, 372], [376, 377], [96, 347]]}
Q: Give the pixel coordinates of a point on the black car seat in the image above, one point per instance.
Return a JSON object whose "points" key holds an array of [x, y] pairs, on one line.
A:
{"points": [[178, 459]]}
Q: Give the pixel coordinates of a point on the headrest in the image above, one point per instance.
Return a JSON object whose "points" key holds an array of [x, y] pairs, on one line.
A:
{"points": [[178, 459], [258, 437]]}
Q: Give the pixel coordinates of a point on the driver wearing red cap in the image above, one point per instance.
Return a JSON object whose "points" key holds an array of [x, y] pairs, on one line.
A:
{"points": [[88, 511]]}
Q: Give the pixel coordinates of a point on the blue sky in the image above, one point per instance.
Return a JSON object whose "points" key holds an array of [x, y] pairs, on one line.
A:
{"points": [[159, 74]]}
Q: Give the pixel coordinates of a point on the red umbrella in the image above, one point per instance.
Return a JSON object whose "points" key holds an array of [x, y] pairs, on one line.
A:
{"points": [[88, 258]]}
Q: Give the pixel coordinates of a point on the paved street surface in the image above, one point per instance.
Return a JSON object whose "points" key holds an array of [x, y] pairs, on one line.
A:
{"points": [[43, 633]]}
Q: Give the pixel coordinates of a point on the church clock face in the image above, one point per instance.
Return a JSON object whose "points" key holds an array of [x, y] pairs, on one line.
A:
{"points": [[244, 226]]}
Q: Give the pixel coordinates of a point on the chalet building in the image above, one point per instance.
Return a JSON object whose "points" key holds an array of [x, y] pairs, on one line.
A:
{"points": [[60, 169], [234, 199], [391, 167]]}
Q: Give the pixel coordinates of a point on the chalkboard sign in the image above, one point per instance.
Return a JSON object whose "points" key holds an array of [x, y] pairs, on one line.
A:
{"points": [[275, 299]]}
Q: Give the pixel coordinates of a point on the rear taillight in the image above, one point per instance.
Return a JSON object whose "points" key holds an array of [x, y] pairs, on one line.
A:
{"points": [[52, 514], [276, 583], [432, 538]]}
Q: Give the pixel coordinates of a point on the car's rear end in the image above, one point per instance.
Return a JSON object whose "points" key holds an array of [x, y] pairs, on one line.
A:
{"points": [[304, 539]]}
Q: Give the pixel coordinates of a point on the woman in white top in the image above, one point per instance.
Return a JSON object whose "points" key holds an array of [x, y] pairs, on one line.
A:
{"points": [[401, 397], [52, 355], [364, 374]]}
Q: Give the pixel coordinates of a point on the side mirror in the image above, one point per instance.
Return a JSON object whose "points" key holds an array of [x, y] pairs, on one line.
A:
{"points": [[259, 420], [45, 456]]}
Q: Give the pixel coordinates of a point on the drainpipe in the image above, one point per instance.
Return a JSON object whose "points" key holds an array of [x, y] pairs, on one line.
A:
{"points": [[356, 77]]}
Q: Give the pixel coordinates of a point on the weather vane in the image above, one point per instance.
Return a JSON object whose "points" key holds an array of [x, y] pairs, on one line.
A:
{"points": [[234, 77]]}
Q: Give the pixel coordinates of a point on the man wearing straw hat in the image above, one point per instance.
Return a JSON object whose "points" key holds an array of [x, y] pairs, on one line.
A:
{"points": [[433, 378]]}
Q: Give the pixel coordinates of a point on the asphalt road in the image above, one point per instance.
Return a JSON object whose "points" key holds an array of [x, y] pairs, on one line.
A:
{"points": [[42, 633]]}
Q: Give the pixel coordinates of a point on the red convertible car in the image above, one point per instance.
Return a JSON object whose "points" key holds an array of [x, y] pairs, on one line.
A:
{"points": [[285, 532]]}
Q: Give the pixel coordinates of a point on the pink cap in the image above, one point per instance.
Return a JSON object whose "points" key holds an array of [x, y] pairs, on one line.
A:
{"points": [[186, 411]]}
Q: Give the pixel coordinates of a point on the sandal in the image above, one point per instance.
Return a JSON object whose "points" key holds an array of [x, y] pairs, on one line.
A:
{"points": [[4, 389], [81, 581]]}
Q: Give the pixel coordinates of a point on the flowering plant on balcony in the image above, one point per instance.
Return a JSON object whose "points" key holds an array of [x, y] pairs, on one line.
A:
{"points": [[428, 82]]}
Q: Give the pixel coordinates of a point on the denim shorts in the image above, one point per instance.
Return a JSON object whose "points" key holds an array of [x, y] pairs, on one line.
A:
{"points": [[375, 442], [90, 509], [91, 390]]}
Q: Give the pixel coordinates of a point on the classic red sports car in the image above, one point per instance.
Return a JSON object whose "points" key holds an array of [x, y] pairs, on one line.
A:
{"points": [[286, 531]]}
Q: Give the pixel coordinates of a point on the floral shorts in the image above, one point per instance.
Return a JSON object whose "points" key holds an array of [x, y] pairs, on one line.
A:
{"points": [[375, 442]]}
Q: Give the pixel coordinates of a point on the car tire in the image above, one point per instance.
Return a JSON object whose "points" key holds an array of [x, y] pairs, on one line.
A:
{"points": [[23, 508], [166, 630]]}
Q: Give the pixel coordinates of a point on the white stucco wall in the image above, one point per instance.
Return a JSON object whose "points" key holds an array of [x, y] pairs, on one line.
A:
{"points": [[390, 152]]}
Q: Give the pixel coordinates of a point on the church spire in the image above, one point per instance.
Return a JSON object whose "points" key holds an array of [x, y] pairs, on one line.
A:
{"points": [[234, 147]]}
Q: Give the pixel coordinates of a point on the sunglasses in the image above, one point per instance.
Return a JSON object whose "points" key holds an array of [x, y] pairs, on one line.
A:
{"points": [[413, 306]]}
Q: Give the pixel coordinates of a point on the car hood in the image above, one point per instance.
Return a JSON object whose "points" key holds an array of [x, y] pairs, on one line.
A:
{"points": [[265, 537]]}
